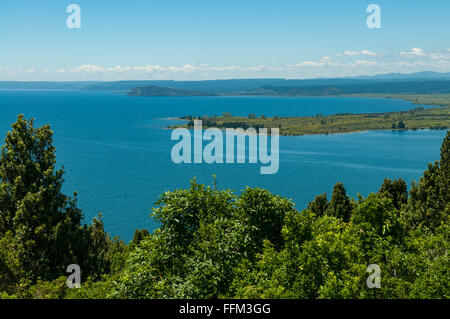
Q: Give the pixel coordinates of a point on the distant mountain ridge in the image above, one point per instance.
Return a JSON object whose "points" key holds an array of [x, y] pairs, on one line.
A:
{"points": [[403, 76], [229, 86], [363, 87]]}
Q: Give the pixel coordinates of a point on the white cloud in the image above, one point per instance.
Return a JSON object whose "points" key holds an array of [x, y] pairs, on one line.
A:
{"points": [[310, 64], [413, 52], [348, 63], [368, 53], [351, 53], [87, 68], [440, 55], [364, 63], [356, 53]]}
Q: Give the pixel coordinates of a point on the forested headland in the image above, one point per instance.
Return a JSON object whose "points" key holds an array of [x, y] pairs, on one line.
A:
{"points": [[212, 243]]}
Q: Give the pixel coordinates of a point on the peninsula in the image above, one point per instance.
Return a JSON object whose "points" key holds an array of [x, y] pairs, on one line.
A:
{"points": [[418, 118]]}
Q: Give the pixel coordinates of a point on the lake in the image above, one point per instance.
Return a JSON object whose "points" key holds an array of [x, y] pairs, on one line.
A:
{"points": [[117, 155]]}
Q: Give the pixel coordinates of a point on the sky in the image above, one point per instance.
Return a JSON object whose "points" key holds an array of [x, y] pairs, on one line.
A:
{"points": [[220, 39]]}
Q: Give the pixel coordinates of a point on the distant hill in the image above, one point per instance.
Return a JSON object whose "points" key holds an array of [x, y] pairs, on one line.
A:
{"points": [[153, 90], [380, 87]]}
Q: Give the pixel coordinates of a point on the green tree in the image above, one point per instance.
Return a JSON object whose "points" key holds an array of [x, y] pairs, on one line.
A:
{"points": [[396, 190], [140, 235], [444, 165], [377, 215], [318, 261], [182, 211], [194, 252], [401, 125], [319, 205], [39, 221], [340, 205], [264, 215], [428, 204], [44, 222]]}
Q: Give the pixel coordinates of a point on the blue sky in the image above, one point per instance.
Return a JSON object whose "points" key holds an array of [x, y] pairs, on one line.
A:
{"points": [[199, 39]]}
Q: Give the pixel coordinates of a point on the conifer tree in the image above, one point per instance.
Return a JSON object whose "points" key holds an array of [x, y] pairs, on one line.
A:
{"points": [[319, 205], [43, 224], [396, 190], [340, 205]]}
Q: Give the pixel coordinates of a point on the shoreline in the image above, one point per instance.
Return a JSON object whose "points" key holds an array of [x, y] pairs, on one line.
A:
{"points": [[436, 117], [315, 134]]}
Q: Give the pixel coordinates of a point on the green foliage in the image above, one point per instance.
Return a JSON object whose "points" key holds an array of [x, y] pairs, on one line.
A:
{"points": [[43, 221], [444, 165], [182, 212], [305, 268], [10, 268], [396, 190], [376, 215], [93, 289], [263, 214], [204, 234]]}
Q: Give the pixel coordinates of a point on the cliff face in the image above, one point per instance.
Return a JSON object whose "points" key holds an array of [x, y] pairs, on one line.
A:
{"points": [[153, 90]]}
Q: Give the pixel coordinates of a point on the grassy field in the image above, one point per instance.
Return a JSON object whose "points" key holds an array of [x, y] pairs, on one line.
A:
{"points": [[419, 118]]}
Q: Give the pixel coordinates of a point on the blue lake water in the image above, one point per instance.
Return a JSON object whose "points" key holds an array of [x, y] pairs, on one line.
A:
{"points": [[117, 155]]}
